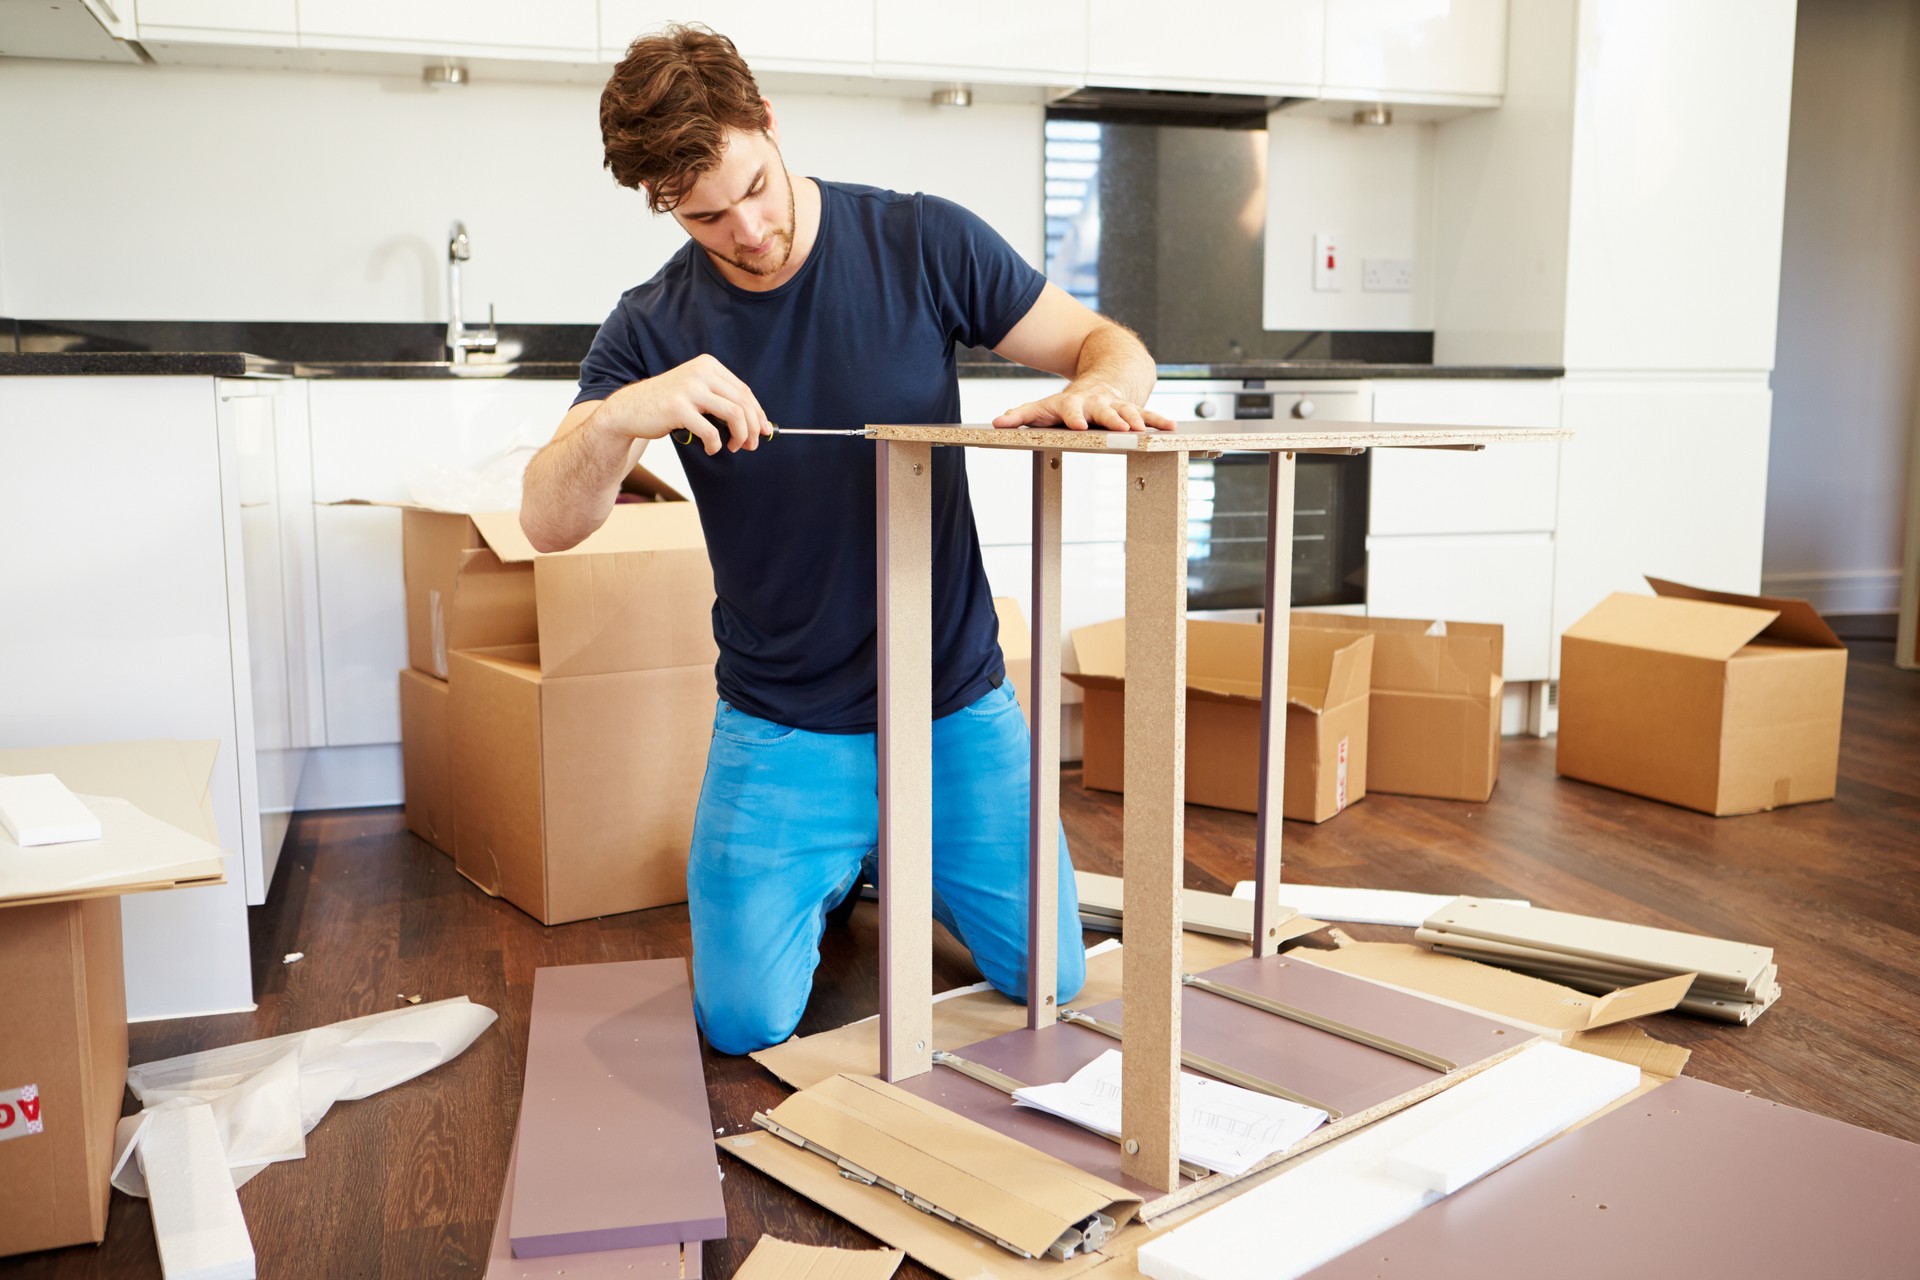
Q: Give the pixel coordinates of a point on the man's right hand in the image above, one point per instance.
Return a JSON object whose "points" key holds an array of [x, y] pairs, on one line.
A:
{"points": [[702, 396]]}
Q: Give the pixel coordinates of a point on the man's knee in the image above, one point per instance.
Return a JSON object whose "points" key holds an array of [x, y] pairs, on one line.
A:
{"points": [[744, 1015]]}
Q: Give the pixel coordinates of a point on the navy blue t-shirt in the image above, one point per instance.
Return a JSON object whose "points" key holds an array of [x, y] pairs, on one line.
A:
{"points": [[863, 333]]}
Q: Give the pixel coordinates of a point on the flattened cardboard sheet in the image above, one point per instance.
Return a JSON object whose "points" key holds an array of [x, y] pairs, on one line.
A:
{"points": [[1690, 1180], [996, 1185], [614, 1123], [777, 1259]]}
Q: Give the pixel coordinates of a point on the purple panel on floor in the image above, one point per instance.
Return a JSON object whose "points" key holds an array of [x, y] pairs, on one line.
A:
{"points": [[653, 1262], [616, 1141], [1347, 1076], [1032, 1057], [1690, 1180]]}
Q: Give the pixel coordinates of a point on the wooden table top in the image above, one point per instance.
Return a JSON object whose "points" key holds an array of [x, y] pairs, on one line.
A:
{"points": [[1241, 435]]}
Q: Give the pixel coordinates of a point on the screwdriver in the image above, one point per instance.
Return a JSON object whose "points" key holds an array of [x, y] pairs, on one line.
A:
{"points": [[684, 436]]}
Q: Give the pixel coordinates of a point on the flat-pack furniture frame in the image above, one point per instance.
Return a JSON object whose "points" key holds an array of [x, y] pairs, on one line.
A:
{"points": [[1154, 817]]}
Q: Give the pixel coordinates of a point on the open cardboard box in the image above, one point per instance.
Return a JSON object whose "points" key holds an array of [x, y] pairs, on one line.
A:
{"points": [[1433, 720], [63, 1032], [1326, 715], [1704, 699]]}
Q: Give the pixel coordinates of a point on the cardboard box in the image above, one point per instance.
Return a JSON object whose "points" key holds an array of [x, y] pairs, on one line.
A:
{"points": [[576, 794], [1016, 646], [1327, 678], [1433, 725], [641, 580], [1712, 701], [426, 758]]}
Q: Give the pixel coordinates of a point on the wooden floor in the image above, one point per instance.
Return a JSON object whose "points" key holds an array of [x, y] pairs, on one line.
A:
{"points": [[406, 1184]]}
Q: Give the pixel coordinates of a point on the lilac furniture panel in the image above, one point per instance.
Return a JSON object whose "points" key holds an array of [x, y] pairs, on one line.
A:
{"points": [[615, 1137], [650, 1262]]}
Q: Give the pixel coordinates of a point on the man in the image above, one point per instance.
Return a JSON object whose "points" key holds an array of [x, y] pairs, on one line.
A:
{"points": [[817, 304]]}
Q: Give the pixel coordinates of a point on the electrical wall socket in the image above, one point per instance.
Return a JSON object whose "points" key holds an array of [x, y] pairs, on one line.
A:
{"points": [[1387, 275], [1326, 263]]}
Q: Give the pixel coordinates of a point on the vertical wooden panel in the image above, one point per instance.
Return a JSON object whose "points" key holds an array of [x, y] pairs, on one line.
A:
{"points": [[905, 544], [1273, 703], [1155, 814], [1043, 810]]}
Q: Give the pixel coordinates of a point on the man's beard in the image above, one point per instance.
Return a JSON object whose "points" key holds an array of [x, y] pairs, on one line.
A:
{"points": [[775, 258]]}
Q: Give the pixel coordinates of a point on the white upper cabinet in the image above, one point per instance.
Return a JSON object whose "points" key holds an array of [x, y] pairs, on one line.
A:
{"points": [[1244, 46], [552, 29], [1415, 50], [1005, 41], [225, 21], [836, 36]]}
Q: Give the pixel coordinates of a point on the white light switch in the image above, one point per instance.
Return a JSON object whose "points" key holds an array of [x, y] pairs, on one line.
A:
{"points": [[1326, 262], [1387, 275]]}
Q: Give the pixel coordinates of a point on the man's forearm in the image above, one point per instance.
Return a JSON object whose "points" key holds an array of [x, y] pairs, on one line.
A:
{"points": [[1114, 357], [570, 485]]}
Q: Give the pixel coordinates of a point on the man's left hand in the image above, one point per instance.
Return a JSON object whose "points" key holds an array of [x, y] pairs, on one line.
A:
{"points": [[1080, 407]]}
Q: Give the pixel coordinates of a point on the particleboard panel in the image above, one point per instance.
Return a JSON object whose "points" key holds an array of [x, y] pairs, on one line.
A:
{"points": [[905, 582], [614, 1123], [1363, 1083], [1043, 783], [1267, 912], [1706, 1181], [1154, 821], [1189, 437], [1637, 946], [650, 1262]]}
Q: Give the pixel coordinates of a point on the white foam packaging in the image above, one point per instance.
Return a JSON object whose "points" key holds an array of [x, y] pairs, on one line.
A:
{"points": [[37, 809]]}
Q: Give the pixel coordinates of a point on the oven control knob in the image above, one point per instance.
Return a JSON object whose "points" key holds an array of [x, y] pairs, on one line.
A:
{"points": [[1304, 409], [1206, 409]]}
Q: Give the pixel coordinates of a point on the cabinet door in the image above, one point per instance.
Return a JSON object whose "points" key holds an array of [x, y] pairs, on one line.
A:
{"points": [[363, 622], [1399, 49], [1503, 578], [835, 35], [1660, 477], [380, 441], [554, 28], [1015, 41], [222, 21], [1244, 46], [1503, 488]]}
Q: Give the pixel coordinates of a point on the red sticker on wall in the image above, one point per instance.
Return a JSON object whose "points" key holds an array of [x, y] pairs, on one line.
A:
{"points": [[20, 1112]]}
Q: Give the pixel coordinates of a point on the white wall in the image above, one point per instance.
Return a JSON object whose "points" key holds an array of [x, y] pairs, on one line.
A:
{"points": [[150, 192], [1371, 186], [1845, 387]]}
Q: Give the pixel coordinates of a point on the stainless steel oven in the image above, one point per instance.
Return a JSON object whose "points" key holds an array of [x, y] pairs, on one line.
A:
{"points": [[1227, 498]]}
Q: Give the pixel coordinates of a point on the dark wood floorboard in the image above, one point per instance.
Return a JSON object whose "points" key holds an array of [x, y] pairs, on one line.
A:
{"points": [[406, 1184]]}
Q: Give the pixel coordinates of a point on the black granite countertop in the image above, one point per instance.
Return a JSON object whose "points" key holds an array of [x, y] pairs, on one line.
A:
{"points": [[382, 351]]}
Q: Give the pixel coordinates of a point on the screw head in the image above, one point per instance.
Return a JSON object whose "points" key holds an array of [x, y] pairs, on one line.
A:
{"points": [[919, 1046], [1054, 463], [1048, 1000], [1132, 1148], [916, 468], [1140, 483]]}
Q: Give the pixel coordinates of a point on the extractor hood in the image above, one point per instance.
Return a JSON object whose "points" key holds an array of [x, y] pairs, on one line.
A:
{"points": [[1168, 107]]}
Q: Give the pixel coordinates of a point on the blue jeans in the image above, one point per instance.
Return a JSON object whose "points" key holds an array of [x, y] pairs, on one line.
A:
{"points": [[786, 819]]}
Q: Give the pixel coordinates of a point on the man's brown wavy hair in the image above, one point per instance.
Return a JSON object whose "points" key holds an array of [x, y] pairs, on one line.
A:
{"points": [[665, 113]]}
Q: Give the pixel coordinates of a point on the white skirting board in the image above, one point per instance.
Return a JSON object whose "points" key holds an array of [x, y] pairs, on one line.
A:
{"points": [[196, 1212], [1383, 1175], [351, 777]]}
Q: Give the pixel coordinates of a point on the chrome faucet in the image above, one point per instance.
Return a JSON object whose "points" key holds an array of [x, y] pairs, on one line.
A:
{"points": [[460, 339]]}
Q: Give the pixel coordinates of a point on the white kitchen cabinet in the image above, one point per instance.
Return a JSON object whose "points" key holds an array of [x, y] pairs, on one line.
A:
{"points": [[1004, 41], [120, 625], [1505, 578], [363, 622], [835, 37], [566, 29], [1243, 46], [1505, 488], [218, 21], [1662, 476], [1415, 50]]}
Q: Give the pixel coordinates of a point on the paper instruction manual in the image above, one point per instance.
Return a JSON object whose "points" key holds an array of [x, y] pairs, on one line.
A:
{"points": [[1222, 1126]]}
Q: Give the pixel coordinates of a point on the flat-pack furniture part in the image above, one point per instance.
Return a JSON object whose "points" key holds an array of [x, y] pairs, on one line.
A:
{"points": [[646, 1262], [1155, 709], [1738, 965], [1433, 711], [1712, 701], [1657, 1184], [615, 1135], [1328, 675]]}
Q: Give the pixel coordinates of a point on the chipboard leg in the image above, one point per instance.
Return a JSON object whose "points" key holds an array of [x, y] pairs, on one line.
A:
{"points": [[905, 745], [1043, 783], [1155, 814], [1273, 704]]}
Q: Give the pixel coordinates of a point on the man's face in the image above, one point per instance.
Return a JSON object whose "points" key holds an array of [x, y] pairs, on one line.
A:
{"points": [[741, 211]]}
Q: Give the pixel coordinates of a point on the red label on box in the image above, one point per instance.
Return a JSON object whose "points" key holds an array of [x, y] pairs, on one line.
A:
{"points": [[20, 1112], [1340, 779]]}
